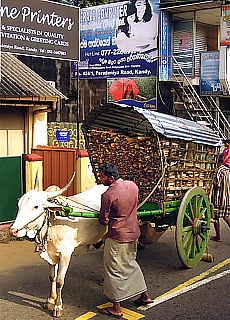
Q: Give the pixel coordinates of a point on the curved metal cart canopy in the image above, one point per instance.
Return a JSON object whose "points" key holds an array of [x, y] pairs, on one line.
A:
{"points": [[172, 160], [125, 119]]}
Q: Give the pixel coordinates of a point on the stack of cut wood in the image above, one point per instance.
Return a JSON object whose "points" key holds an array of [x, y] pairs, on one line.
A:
{"points": [[145, 159]]}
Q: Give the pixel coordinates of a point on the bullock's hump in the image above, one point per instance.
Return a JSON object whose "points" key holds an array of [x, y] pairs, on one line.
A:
{"points": [[90, 198]]}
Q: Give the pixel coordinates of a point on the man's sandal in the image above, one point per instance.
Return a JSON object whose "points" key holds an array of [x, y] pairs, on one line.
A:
{"points": [[107, 312], [139, 302]]}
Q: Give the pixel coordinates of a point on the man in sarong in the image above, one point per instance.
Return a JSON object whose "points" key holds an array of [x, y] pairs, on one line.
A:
{"points": [[123, 278], [221, 199], [226, 153]]}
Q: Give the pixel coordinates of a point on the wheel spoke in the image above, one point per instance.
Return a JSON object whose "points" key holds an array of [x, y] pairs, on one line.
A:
{"points": [[187, 228], [191, 210], [189, 246], [200, 203], [202, 236], [198, 247], [195, 205], [202, 213], [188, 217], [193, 248], [187, 238]]}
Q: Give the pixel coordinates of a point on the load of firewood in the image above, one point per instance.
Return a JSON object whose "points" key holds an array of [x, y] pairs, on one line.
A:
{"points": [[145, 160]]}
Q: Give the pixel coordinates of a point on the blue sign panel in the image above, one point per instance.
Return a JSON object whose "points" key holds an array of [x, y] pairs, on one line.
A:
{"points": [[63, 135], [209, 78], [118, 40], [165, 46]]}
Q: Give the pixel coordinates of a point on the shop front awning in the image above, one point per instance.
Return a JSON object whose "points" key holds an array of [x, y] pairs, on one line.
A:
{"points": [[19, 84]]}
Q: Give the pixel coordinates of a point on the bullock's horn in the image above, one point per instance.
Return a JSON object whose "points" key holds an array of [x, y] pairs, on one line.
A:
{"points": [[53, 194]]}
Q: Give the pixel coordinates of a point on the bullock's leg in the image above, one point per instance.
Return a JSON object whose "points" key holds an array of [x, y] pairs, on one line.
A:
{"points": [[50, 302], [63, 266]]}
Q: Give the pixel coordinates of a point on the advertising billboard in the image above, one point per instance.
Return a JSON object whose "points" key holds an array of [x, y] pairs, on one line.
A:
{"points": [[40, 28], [209, 77], [118, 40]]}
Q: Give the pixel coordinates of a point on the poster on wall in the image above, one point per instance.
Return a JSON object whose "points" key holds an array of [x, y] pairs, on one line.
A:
{"points": [[209, 77], [118, 40], [139, 92], [225, 26]]}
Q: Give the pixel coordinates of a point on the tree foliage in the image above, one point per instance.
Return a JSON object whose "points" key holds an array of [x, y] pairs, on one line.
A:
{"points": [[84, 3]]}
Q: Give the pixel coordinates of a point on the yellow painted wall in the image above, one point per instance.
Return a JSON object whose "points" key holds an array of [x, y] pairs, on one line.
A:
{"points": [[32, 167], [40, 129], [12, 131], [85, 176]]}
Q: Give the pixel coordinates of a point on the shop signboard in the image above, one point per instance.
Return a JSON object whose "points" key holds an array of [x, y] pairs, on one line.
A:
{"points": [[40, 28], [209, 78], [118, 40]]}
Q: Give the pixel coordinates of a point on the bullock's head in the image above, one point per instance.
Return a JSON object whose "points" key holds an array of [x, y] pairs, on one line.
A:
{"points": [[31, 211]]}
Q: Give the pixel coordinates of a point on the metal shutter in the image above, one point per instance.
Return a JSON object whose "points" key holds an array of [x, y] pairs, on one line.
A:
{"points": [[183, 45], [201, 45]]}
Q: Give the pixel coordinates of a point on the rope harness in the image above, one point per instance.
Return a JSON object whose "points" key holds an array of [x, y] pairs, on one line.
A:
{"points": [[40, 240], [26, 226]]}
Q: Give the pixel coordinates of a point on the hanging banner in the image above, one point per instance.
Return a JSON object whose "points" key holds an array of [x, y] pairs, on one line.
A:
{"points": [[40, 28], [209, 77], [165, 46], [118, 40], [225, 26]]}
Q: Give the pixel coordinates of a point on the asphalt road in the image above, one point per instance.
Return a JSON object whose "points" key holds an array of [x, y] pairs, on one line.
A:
{"points": [[189, 294]]}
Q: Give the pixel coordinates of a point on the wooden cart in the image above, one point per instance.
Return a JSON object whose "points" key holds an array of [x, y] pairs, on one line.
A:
{"points": [[171, 159]]}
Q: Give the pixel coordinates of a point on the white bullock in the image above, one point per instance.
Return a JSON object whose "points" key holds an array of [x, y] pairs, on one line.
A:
{"points": [[56, 237]]}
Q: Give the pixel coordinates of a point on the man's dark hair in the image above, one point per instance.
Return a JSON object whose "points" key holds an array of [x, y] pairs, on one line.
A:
{"points": [[226, 141], [110, 170]]}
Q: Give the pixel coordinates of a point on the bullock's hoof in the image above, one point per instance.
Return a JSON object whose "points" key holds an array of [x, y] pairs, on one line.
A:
{"points": [[49, 306], [58, 311]]}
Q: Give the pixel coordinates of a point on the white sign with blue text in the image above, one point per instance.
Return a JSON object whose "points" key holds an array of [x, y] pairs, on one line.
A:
{"points": [[209, 77]]}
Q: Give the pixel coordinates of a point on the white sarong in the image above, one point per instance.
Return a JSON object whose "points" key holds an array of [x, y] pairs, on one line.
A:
{"points": [[123, 277]]}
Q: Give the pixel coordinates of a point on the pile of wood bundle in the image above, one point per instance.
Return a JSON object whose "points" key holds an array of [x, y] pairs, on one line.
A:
{"points": [[145, 160]]}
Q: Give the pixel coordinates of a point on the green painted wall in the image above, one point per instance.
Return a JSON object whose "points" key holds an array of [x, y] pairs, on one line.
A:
{"points": [[10, 187]]}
